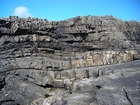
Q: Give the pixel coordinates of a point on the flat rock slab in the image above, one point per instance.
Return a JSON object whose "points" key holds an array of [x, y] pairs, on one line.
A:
{"points": [[80, 98], [112, 97]]}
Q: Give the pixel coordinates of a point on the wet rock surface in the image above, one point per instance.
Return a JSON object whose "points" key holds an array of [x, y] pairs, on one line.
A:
{"points": [[86, 60]]}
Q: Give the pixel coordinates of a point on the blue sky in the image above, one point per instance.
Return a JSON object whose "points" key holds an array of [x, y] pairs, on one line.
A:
{"points": [[63, 9]]}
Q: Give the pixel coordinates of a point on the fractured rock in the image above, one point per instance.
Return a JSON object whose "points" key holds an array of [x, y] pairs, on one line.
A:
{"points": [[77, 54]]}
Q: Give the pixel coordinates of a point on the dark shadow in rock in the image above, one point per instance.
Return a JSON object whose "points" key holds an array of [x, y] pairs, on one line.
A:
{"points": [[8, 102], [83, 35], [99, 87], [2, 83], [46, 86]]}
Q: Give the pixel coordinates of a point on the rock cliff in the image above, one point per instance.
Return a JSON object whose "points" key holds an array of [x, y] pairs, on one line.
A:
{"points": [[38, 56]]}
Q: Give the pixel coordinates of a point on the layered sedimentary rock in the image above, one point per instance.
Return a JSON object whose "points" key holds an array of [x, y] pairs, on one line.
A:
{"points": [[37, 54]]}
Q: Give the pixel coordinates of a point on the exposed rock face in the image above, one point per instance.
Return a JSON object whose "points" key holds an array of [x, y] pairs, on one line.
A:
{"points": [[37, 54]]}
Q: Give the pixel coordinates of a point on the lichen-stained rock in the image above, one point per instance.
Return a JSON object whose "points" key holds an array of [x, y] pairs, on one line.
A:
{"points": [[37, 54], [103, 58]]}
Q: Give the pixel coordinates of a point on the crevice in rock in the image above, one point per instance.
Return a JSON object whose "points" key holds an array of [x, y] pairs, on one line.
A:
{"points": [[7, 70], [122, 74], [9, 102], [70, 92], [82, 35], [127, 96], [2, 83], [46, 86], [87, 74], [98, 73], [22, 31], [98, 86], [47, 95]]}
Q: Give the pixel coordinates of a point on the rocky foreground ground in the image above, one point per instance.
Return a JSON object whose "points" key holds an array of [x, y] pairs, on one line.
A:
{"points": [[86, 60]]}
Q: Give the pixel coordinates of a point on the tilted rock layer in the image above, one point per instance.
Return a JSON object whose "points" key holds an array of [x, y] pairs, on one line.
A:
{"points": [[37, 54]]}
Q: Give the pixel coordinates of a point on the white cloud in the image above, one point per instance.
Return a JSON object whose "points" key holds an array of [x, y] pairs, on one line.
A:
{"points": [[22, 11]]}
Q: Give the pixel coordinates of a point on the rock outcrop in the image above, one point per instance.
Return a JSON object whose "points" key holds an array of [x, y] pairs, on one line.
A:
{"points": [[37, 55]]}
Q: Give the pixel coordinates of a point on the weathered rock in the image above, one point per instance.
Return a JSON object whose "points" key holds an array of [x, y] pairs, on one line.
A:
{"points": [[136, 56], [20, 92], [36, 54], [59, 83], [120, 87], [109, 97]]}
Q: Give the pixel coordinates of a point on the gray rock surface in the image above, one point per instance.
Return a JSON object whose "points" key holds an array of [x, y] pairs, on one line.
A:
{"points": [[77, 54], [119, 87], [136, 56]]}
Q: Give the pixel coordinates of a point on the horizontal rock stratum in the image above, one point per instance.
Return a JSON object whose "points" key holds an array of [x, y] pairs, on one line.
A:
{"points": [[79, 59]]}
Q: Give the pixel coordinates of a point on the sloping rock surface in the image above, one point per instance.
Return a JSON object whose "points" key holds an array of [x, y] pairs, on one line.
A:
{"points": [[37, 55], [119, 84]]}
